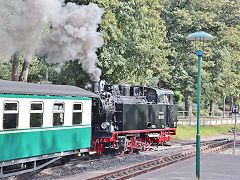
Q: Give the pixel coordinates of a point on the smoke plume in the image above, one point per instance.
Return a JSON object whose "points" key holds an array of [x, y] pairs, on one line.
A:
{"points": [[62, 31]]}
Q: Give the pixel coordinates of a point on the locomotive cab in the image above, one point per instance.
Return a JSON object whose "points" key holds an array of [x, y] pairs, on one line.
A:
{"points": [[159, 96]]}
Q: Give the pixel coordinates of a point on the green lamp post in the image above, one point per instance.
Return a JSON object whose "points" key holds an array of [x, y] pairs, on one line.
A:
{"points": [[199, 38]]}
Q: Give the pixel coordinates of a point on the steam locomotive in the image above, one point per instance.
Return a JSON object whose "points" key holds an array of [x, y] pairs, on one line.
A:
{"points": [[43, 123], [131, 118]]}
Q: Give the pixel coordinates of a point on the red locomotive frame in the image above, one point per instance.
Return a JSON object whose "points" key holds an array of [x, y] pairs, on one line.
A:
{"points": [[132, 140]]}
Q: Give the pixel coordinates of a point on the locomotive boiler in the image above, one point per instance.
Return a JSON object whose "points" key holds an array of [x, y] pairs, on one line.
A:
{"points": [[131, 118]]}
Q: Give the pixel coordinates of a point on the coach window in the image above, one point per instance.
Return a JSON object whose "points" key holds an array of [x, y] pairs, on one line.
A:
{"points": [[36, 114], [77, 113], [10, 115], [58, 114]]}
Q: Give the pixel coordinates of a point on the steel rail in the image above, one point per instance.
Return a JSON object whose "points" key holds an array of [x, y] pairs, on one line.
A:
{"points": [[148, 166]]}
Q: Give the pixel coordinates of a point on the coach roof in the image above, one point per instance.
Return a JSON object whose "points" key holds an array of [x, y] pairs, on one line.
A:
{"points": [[15, 87]]}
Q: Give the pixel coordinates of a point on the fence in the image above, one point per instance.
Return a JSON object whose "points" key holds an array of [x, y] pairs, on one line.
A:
{"points": [[206, 118]]}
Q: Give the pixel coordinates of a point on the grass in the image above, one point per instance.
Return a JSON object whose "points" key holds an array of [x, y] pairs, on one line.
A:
{"points": [[188, 132]]}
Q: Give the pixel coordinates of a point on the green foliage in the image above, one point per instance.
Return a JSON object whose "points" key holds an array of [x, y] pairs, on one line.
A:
{"points": [[5, 67], [70, 73], [134, 49], [152, 82], [220, 74], [178, 97], [145, 40], [37, 70]]}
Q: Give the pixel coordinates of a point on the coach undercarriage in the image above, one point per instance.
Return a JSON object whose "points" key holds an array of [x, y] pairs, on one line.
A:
{"points": [[30, 164]]}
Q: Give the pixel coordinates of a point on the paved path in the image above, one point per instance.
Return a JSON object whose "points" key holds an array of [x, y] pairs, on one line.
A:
{"points": [[213, 167]]}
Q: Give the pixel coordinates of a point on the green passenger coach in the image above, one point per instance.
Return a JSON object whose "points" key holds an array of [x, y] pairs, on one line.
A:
{"points": [[41, 123]]}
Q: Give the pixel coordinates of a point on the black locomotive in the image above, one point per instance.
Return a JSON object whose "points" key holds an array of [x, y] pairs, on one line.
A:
{"points": [[128, 118]]}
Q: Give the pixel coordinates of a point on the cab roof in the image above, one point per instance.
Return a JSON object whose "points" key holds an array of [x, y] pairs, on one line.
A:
{"points": [[161, 91]]}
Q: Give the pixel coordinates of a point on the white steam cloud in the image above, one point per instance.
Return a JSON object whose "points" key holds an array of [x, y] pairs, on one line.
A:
{"points": [[62, 31]]}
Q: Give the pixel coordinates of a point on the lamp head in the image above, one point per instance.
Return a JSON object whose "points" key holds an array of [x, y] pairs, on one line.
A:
{"points": [[199, 36]]}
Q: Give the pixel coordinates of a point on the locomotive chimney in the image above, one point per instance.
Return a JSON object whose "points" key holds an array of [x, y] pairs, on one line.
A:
{"points": [[95, 86]]}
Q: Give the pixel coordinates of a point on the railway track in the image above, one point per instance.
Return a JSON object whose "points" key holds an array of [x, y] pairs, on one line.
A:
{"points": [[148, 166], [95, 159]]}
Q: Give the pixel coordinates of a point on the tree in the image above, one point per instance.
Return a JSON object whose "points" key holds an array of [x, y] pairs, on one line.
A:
{"points": [[71, 73], [185, 17], [15, 65], [134, 49]]}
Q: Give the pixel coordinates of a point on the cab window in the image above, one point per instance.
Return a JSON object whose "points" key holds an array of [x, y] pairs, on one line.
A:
{"points": [[166, 99], [10, 115], [161, 99]]}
